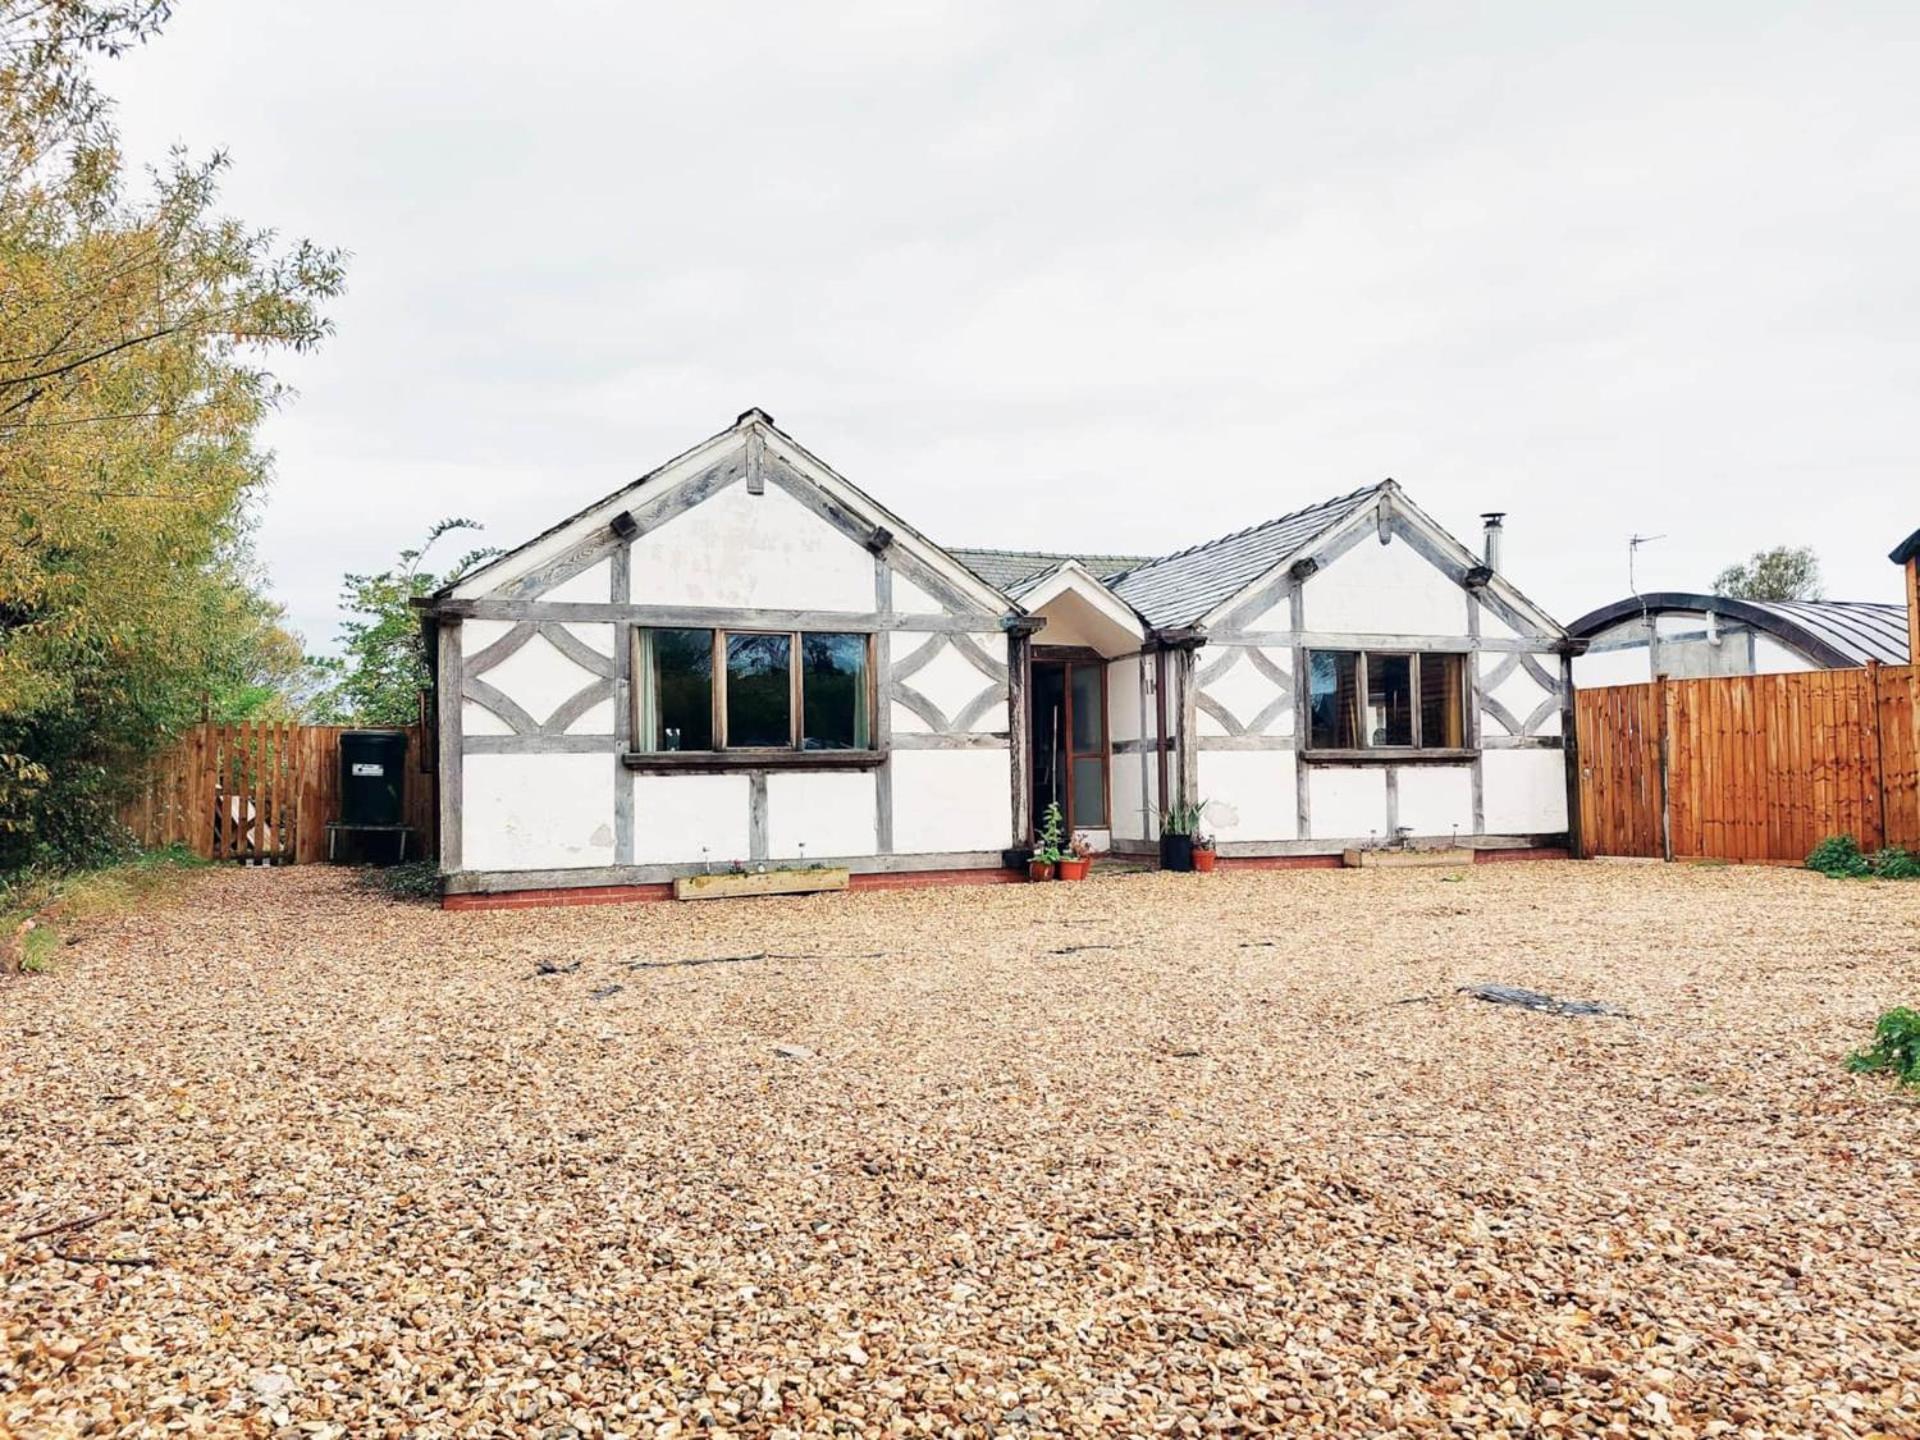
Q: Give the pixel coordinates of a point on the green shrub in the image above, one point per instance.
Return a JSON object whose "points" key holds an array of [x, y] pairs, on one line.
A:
{"points": [[1895, 1048], [1894, 863], [1839, 855]]}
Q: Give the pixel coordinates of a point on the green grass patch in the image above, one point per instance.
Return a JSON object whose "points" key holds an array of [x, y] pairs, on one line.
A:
{"points": [[59, 899], [37, 952]]}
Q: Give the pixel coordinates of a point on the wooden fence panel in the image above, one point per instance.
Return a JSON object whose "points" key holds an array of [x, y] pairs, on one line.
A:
{"points": [[1619, 770], [263, 793], [1751, 767]]}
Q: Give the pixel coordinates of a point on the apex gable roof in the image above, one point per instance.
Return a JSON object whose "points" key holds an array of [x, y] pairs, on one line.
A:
{"points": [[751, 444]]}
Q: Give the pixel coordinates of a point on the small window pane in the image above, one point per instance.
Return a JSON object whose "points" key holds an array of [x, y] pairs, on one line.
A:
{"points": [[1334, 691], [759, 691], [833, 689], [1090, 792], [1089, 709], [682, 690], [1389, 700], [1442, 702]]}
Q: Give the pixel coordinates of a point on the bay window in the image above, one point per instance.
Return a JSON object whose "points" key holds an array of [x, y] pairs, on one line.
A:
{"points": [[704, 693], [1365, 700]]}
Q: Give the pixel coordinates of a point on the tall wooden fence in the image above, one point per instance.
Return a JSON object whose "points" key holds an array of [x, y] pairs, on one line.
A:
{"points": [[1750, 767], [263, 793]]}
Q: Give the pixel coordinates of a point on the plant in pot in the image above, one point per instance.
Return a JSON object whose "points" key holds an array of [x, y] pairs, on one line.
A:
{"points": [[1046, 847], [1205, 856], [1177, 827], [1078, 858]]}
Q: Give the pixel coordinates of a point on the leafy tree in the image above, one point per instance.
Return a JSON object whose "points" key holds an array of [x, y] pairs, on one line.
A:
{"points": [[135, 318], [1786, 572], [384, 665]]}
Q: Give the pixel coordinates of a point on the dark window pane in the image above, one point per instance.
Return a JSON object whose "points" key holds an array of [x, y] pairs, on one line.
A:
{"points": [[1389, 700], [1089, 709], [833, 689], [682, 690], [1334, 689], [1049, 737], [759, 691], [1442, 701], [1089, 792]]}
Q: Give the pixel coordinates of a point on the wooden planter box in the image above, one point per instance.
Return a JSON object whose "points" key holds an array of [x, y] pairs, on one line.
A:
{"points": [[765, 882], [1406, 859]]}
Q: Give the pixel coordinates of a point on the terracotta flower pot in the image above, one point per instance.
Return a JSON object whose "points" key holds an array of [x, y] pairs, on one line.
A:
{"points": [[1203, 860], [1074, 869], [1039, 870]]}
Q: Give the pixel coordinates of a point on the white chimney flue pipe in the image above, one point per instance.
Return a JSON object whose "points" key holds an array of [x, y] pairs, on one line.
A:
{"points": [[1495, 526]]}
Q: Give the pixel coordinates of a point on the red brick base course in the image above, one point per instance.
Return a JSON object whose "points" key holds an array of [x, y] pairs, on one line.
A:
{"points": [[906, 880], [1277, 862], [643, 894]]}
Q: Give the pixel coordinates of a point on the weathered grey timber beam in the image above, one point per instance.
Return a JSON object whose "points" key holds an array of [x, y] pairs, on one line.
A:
{"points": [[1246, 742], [1356, 640], [577, 705], [1261, 849], [543, 744], [699, 617], [883, 737], [957, 740], [501, 704], [449, 688]]}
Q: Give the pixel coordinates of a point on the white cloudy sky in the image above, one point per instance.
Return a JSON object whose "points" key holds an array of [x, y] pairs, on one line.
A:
{"points": [[1114, 276]]}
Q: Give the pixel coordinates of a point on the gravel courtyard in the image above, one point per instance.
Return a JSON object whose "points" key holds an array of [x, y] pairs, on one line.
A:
{"points": [[1154, 1154]]}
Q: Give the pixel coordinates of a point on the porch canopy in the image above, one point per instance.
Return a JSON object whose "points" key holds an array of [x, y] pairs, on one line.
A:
{"points": [[1082, 612]]}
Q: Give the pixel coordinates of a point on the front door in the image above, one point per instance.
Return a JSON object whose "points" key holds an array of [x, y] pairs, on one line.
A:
{"points": [[1069, 730]]}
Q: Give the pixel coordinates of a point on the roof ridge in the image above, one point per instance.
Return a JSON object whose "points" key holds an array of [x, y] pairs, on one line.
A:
{"points": [[1049, 554], [1255, 529]]}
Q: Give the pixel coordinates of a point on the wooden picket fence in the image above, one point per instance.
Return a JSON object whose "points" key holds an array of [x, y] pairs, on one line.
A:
{"points": [[262, 793], [1750, 767]]}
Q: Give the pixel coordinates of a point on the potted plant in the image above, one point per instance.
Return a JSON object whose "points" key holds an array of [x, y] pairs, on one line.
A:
{"points": [[1078, 858], [1177, 827], [1205, 856], [1046, 849]]}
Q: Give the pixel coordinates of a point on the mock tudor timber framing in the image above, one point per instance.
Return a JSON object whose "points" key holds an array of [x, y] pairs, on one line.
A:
{"points": [[1174, 666]]}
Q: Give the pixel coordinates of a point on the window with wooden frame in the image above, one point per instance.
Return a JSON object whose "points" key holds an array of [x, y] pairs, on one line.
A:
{"points": [[1364, 702], [752, 696]]}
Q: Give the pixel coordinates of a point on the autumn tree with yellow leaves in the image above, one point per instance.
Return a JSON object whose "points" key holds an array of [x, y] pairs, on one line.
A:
{"points": [[135, 327]]}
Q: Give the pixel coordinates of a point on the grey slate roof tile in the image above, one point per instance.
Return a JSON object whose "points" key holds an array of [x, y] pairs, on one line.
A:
{"points": [[1011, 570], [1179, 589]]}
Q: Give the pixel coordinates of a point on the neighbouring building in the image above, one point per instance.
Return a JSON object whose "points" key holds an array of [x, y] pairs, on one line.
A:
{"points": [[743, 656], [1681, 636]]}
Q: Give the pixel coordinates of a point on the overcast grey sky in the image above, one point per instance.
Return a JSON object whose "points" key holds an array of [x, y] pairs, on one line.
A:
{"points": [[1105, 276]]}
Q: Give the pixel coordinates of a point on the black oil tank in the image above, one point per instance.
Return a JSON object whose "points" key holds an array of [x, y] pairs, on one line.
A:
{"points": [[373, 777]]}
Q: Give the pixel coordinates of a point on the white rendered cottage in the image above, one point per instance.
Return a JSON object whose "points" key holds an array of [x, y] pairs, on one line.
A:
{"points": [[741, 656]]}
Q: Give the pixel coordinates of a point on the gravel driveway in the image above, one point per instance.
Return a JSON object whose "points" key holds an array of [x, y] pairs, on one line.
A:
{"points": [[1153, 1154]]}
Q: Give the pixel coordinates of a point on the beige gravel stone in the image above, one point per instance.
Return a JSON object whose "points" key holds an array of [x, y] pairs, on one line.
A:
{"points": [[1160, 1154]]}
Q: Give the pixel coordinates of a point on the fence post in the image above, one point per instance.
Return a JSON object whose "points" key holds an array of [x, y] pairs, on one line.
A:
{"points": [[1570, 740], [1660, 721], [1879, 750]]}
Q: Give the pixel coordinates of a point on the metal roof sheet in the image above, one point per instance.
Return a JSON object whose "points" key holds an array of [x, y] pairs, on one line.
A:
{"points": [[1861, 629], [1831, 633], [1179, 589]]}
